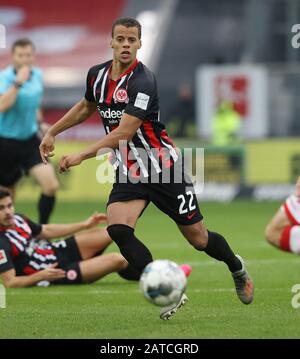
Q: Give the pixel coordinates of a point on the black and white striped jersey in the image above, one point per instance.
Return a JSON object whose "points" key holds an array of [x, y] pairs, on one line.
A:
{"points": [[20, 250], [134, 93]]}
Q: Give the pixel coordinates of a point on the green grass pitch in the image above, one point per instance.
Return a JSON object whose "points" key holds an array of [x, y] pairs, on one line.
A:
{"points": [[114, 308]]}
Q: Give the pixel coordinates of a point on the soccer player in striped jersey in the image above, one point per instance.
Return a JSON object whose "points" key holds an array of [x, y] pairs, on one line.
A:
{"points": [[125, 93], [283, 231], [27, 256]]}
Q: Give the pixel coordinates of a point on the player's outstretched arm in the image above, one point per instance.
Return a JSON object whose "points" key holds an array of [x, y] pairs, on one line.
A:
{"points": [[10, 280], [77, 114], [52, 231], [125, 131]]}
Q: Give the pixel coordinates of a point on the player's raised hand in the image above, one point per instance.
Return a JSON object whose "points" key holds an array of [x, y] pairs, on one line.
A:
{"points": [[68, 161], [47, 147], [23, 74], [96, 218]]}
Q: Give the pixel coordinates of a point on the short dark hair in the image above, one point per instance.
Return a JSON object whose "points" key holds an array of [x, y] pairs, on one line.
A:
{"points": [[4, 193], [22, 43], [127, 22]]}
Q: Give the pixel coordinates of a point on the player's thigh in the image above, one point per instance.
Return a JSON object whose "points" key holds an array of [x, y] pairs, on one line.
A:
{"points": [[275, 227], [126, 212], [97, 267], [92, 241], [196, 234], [177, 200], [46, 177]]}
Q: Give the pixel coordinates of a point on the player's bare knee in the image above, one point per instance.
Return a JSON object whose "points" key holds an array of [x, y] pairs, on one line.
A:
{"points": [[123, 262], [118, 260], [268, 234], [271, 235], [51, 188], [199, 241], [102, 233]]}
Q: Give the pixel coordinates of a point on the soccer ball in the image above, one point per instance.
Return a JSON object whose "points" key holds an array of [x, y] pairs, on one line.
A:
{"points": [[162, 282]]}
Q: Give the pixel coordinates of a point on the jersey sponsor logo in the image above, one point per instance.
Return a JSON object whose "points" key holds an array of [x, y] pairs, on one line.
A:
{"points": [[3, 258], [141, 101], [113, 122], [111, 114], [121, 95], [71, 274]]}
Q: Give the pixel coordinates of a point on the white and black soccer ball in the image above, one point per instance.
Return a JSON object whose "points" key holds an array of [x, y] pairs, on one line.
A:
{"points": [[162, 282]]}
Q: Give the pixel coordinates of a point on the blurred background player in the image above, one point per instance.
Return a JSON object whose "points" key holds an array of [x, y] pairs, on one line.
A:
{"points": [[226, 125], [283, 231], [21, 90], [27, 256], [181, 119]]}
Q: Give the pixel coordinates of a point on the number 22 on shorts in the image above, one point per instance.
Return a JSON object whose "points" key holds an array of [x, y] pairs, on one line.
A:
{"points": [[186, 204]]}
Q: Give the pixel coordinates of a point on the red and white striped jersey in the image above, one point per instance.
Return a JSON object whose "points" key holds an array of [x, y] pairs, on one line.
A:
{"points": [[20, 250], [292, 209], [134, 93]]}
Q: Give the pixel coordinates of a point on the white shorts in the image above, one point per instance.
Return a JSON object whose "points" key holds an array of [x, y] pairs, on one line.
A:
{"points": [[292, 209]]}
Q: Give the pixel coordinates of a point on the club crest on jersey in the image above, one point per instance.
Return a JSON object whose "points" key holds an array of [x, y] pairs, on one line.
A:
{"points": [[121, 95]]}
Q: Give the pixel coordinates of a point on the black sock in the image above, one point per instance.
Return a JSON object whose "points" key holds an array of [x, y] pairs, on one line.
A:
{"points": [[218, 248], [133, 250], [130, 273], [45, 206]]}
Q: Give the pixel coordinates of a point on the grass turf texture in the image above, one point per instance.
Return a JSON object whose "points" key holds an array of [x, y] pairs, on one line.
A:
{"points": [[114, 308]]}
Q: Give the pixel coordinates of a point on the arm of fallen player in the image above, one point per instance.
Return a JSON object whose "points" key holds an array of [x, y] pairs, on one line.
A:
{"points": [[11, 280], [52, 231]]}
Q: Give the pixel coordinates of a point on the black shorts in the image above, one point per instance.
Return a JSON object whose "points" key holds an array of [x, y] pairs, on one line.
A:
{"points": [[17, 158], [177, 200], [68, 257]]}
